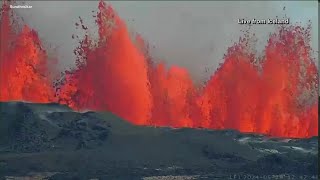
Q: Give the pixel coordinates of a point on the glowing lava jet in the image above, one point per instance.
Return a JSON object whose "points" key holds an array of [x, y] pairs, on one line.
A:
{"points": [[279, 99], [23, 63]]}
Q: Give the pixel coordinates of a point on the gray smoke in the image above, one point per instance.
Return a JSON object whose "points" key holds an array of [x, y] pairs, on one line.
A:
{"points": [[191, 34]]}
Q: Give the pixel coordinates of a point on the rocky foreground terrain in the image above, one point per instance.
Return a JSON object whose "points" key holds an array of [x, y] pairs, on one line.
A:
{"points": [[50, 141]]}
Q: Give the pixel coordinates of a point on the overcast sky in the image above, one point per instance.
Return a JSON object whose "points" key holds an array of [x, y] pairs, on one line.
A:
{"points": [[192, 34]]}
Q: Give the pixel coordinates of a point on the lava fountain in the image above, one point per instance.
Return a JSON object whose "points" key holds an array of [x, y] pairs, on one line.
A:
{"points": [[23, 63], [276, 95]]}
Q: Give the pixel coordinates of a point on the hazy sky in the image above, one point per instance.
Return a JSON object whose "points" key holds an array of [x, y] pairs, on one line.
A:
{"points": [[192, 34]]}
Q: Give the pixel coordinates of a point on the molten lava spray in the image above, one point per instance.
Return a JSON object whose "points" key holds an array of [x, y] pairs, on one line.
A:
{"points": [[114, 74], [275, 94], [23, 64]]}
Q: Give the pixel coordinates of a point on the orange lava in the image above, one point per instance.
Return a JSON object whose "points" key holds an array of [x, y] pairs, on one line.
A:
{"points": [[23, 64], [275, 94]]}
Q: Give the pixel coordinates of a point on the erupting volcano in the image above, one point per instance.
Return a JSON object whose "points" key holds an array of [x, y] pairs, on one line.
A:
{"points": [[274, 94]]}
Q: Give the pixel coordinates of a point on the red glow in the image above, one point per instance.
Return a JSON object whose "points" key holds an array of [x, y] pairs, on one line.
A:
{"points": [[276, 95]]}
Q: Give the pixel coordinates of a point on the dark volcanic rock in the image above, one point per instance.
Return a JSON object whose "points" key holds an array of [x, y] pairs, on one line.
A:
{"points": [[85, 129], [38, 138], [278, 164], [23, 129]]}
